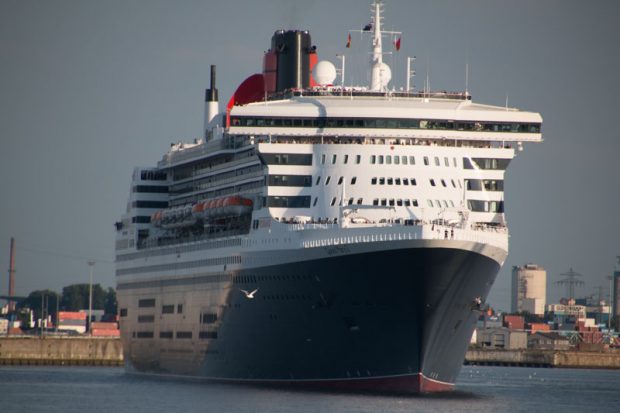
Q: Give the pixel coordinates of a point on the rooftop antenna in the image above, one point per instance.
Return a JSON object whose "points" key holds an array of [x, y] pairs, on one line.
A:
{"points": [[427, 86], [341, 70], [570, 280], [410, 73], [466, 79]]}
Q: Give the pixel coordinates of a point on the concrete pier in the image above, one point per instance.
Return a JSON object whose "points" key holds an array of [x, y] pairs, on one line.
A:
{"points": [[544, 358], [85, 351]]}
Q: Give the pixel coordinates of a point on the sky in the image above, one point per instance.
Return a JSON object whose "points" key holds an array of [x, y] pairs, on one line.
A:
{"points": [[90, 89]]}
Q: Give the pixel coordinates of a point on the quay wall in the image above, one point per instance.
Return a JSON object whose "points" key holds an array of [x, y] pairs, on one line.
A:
{"points": [[91, 351], [544, 358]]}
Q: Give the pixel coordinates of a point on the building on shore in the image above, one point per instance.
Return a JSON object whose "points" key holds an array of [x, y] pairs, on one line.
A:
{"points": [[502, 338], [529, 289], [548, 341]]}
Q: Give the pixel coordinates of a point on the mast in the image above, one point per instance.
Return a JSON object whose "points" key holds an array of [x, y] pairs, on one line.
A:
{"points": [[377, 51]]}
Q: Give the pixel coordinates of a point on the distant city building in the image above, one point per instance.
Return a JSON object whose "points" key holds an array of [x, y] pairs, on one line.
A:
{"points": [[529, 289]]}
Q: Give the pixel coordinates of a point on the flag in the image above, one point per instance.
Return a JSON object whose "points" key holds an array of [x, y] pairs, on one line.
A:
{"points": [[397, 44], [349, 41], [368, 27]]}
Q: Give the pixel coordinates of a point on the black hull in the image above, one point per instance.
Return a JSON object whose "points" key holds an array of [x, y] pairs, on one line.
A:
{"points": [[396, 320]]}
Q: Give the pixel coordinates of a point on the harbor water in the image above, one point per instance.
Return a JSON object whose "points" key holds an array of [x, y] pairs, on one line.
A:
{"points": [[479, 389]]}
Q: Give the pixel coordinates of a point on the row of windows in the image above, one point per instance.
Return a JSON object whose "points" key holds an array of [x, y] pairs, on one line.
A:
{"points": [[410, 160], [149, 204], [153, 175], [392, 181], [146, 303], [169, 309], [290, 180], [485, 206], [287, 158], [468, 163], [345, 159], [179, 266], [485, 163], [395, 202], [146, 318], [151, 189], [213, 180], [484, 185], [340, 180], [181, 249], [141, 219], [208, 318], [288, 201], [179, 334], [390, 123]]}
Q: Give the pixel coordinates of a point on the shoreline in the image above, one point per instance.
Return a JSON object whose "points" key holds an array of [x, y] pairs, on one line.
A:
{"points": [[108, 352]]}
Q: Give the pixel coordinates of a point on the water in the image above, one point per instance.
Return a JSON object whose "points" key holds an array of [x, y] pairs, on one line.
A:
{"points": [[479, 389]]}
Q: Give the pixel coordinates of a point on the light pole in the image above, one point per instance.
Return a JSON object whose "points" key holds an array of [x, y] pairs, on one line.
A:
{"points": [[91, 264]]}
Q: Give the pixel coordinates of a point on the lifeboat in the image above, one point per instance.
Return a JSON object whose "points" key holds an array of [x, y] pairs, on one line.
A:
{"points": [[217, 207], [198, 209], [156, 218], [236, 205]]}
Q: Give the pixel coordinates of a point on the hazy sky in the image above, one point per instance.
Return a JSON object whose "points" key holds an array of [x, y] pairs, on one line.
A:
{"points": [[90, 89]]}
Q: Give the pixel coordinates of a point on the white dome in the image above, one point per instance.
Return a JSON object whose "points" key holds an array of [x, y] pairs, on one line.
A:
{"points": [[385, 74], [324, 73]]}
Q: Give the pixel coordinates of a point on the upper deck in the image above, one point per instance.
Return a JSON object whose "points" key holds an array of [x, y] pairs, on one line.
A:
{"points": [[398, 115]]}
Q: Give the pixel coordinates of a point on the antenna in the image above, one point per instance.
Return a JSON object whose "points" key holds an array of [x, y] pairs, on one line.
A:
{"points": [[466, 79], [341, 70], [570, 281], [410, 73]]}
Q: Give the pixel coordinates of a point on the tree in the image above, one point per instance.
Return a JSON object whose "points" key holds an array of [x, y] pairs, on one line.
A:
{"points": [[35, 299], [75, 297], [111, 305]]}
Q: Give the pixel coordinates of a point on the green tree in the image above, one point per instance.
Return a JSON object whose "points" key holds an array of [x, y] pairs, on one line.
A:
{"points": [[111, 305], [75, 297], [46, 299]]}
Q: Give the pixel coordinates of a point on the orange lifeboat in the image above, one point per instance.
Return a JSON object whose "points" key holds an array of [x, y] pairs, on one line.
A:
{"points": [[236, 205]]}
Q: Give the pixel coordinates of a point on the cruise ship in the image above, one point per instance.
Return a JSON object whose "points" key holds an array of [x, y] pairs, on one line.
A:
{"points": [[319, 235]]}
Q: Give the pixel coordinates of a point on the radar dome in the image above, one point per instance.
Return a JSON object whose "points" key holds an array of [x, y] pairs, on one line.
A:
{"points": [[324, 73], [385, 74]]}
